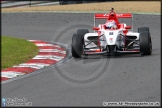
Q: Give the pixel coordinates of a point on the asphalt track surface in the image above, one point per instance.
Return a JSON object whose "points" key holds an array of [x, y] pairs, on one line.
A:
{"points": [[84, 82]]}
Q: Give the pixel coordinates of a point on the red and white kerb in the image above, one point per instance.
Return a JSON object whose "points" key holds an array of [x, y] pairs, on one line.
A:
{"points": [[48, 54]]}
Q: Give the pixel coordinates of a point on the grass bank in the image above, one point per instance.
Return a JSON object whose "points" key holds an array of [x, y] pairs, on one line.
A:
{"points": [[119, 6], [15, 51]]}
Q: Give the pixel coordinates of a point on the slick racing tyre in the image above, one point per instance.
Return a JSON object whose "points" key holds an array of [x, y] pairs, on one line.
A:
{"points": [[77, 45], [145, 43], [82, 31], [142, 29]]}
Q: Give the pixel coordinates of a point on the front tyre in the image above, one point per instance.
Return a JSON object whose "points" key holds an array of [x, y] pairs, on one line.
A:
{"points": [[145, 43], [77, 45]]}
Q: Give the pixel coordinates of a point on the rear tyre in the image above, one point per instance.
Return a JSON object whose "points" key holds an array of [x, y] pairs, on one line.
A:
{"points": [[82, 31], [77, 45], [142, 29], [145, 43]]}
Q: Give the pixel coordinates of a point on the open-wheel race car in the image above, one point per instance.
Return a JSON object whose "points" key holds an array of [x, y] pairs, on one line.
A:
{"points": [[111, 37]]}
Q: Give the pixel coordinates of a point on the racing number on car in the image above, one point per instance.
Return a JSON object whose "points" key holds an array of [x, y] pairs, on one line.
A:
{"points": [[111, 33]]}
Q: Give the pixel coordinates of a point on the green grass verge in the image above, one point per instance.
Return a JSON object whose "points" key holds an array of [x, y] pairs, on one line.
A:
{"points": [[15, 51]]}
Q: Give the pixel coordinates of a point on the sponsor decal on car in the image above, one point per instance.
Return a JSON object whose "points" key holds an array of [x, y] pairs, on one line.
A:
{"points": [[111, 40]]}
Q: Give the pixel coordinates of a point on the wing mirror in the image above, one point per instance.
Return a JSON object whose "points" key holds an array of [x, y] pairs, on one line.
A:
{"points": [[128, 27], [96, 28]]}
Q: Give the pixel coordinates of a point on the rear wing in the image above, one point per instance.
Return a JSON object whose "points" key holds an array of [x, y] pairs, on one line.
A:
{"points": [[106, 16]]}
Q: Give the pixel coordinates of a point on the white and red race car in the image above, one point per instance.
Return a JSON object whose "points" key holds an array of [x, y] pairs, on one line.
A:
{"points": [[111, 41]]}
